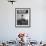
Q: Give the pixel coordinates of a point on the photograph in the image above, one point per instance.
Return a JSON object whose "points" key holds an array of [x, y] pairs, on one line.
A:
{"points": [[22, 16]]}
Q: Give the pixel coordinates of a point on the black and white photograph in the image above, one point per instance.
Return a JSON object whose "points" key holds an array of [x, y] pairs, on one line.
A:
{"points": [[22, 16]]}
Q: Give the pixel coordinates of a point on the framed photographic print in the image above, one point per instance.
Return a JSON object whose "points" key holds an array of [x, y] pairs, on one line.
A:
{"points": [[22, 17]]}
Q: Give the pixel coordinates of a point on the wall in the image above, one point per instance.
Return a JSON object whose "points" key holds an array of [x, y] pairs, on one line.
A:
{"points": [[8, 31]]}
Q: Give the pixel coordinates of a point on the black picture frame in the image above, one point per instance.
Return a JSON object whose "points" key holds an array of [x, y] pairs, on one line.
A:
{"points": [[22, 17]]}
